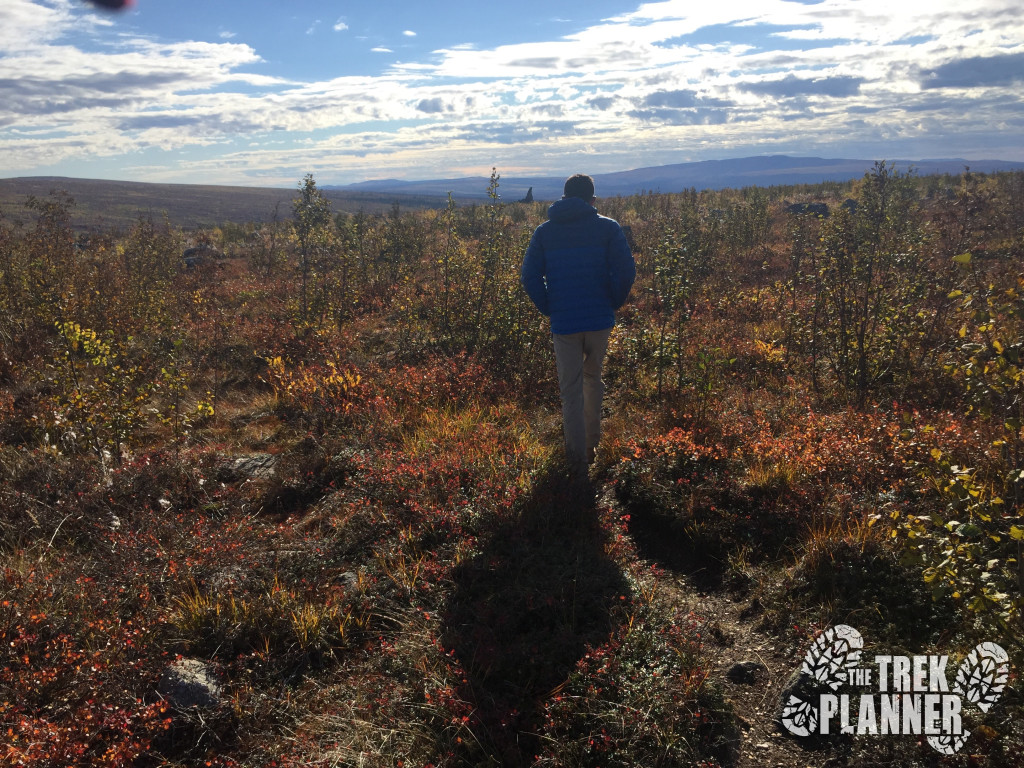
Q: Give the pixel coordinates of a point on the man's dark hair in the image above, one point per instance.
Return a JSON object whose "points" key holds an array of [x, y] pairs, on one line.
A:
{"points": [[579, 185]]}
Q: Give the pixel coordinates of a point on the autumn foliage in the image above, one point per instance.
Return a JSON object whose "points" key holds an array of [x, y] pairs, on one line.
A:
{"points": [[824, 413]]}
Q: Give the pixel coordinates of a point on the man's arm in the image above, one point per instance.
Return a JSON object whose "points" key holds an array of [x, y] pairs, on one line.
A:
{"points": [[532, 275]]}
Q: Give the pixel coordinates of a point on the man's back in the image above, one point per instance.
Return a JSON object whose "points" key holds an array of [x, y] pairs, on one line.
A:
{"points": [[578, 268]]}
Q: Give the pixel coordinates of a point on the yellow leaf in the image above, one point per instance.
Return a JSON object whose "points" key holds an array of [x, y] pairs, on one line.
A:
{"points": [[986, 732]]}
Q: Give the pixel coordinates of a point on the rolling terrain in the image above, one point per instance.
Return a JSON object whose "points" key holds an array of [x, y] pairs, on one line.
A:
{"points": [[102, 203]]}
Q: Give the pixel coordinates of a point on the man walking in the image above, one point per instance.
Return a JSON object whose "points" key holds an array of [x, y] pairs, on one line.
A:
{"points": [[578, 270]]}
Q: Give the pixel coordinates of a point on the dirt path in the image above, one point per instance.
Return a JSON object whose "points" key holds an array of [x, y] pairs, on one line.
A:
{"points": [[753, 667]]}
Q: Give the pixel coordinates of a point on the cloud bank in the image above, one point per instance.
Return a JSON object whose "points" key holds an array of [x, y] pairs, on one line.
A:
{"points": [[667, 82]]}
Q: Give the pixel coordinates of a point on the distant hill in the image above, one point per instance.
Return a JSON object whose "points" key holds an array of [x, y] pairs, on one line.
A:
{"points": [[763, 171], [100, 203]]}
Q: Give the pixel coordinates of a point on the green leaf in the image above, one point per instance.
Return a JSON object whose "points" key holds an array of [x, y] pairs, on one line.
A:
{"points": [[963, 258], [969, 530]]}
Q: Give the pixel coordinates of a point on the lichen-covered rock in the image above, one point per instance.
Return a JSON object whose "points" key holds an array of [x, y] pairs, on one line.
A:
{"points": [[252, 466]]}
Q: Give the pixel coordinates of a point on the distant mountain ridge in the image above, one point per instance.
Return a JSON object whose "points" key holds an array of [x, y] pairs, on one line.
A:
{"points": [[761, 170], [107, 203]]}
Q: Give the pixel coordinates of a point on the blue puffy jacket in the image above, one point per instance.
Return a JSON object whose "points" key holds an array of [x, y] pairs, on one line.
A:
{"points": [[578, 268]]}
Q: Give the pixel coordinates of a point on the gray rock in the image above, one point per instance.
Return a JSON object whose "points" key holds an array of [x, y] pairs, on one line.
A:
{"points": [[227, 577], [252, 466], [348, 580], [190, 683], [745, 672]]}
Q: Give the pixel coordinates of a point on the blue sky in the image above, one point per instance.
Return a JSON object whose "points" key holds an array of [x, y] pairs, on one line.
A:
{"points": [[261, 92]]}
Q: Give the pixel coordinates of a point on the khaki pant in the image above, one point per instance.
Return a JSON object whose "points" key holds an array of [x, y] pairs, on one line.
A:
{"points": [[579, 357]]}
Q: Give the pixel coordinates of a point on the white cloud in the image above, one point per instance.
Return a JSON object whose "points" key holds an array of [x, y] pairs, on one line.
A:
{"points": [[27, 24], [639, 89], [409, 33]]}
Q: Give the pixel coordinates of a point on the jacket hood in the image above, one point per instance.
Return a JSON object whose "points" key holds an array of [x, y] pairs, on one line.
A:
{"points": [[570, 209]]}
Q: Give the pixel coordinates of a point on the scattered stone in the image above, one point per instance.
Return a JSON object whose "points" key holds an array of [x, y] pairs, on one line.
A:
{"points": [[348, 580], [763, 745], [190, 683], [252, 466], [229, 576], [745, 672]]}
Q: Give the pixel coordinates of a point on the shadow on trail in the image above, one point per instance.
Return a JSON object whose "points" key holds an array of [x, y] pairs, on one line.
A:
{"points": [[674, 544], [524, 611]]}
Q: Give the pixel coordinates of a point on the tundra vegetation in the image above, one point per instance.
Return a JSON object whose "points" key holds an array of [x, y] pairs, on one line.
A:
{"points": [[820, 414]]}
